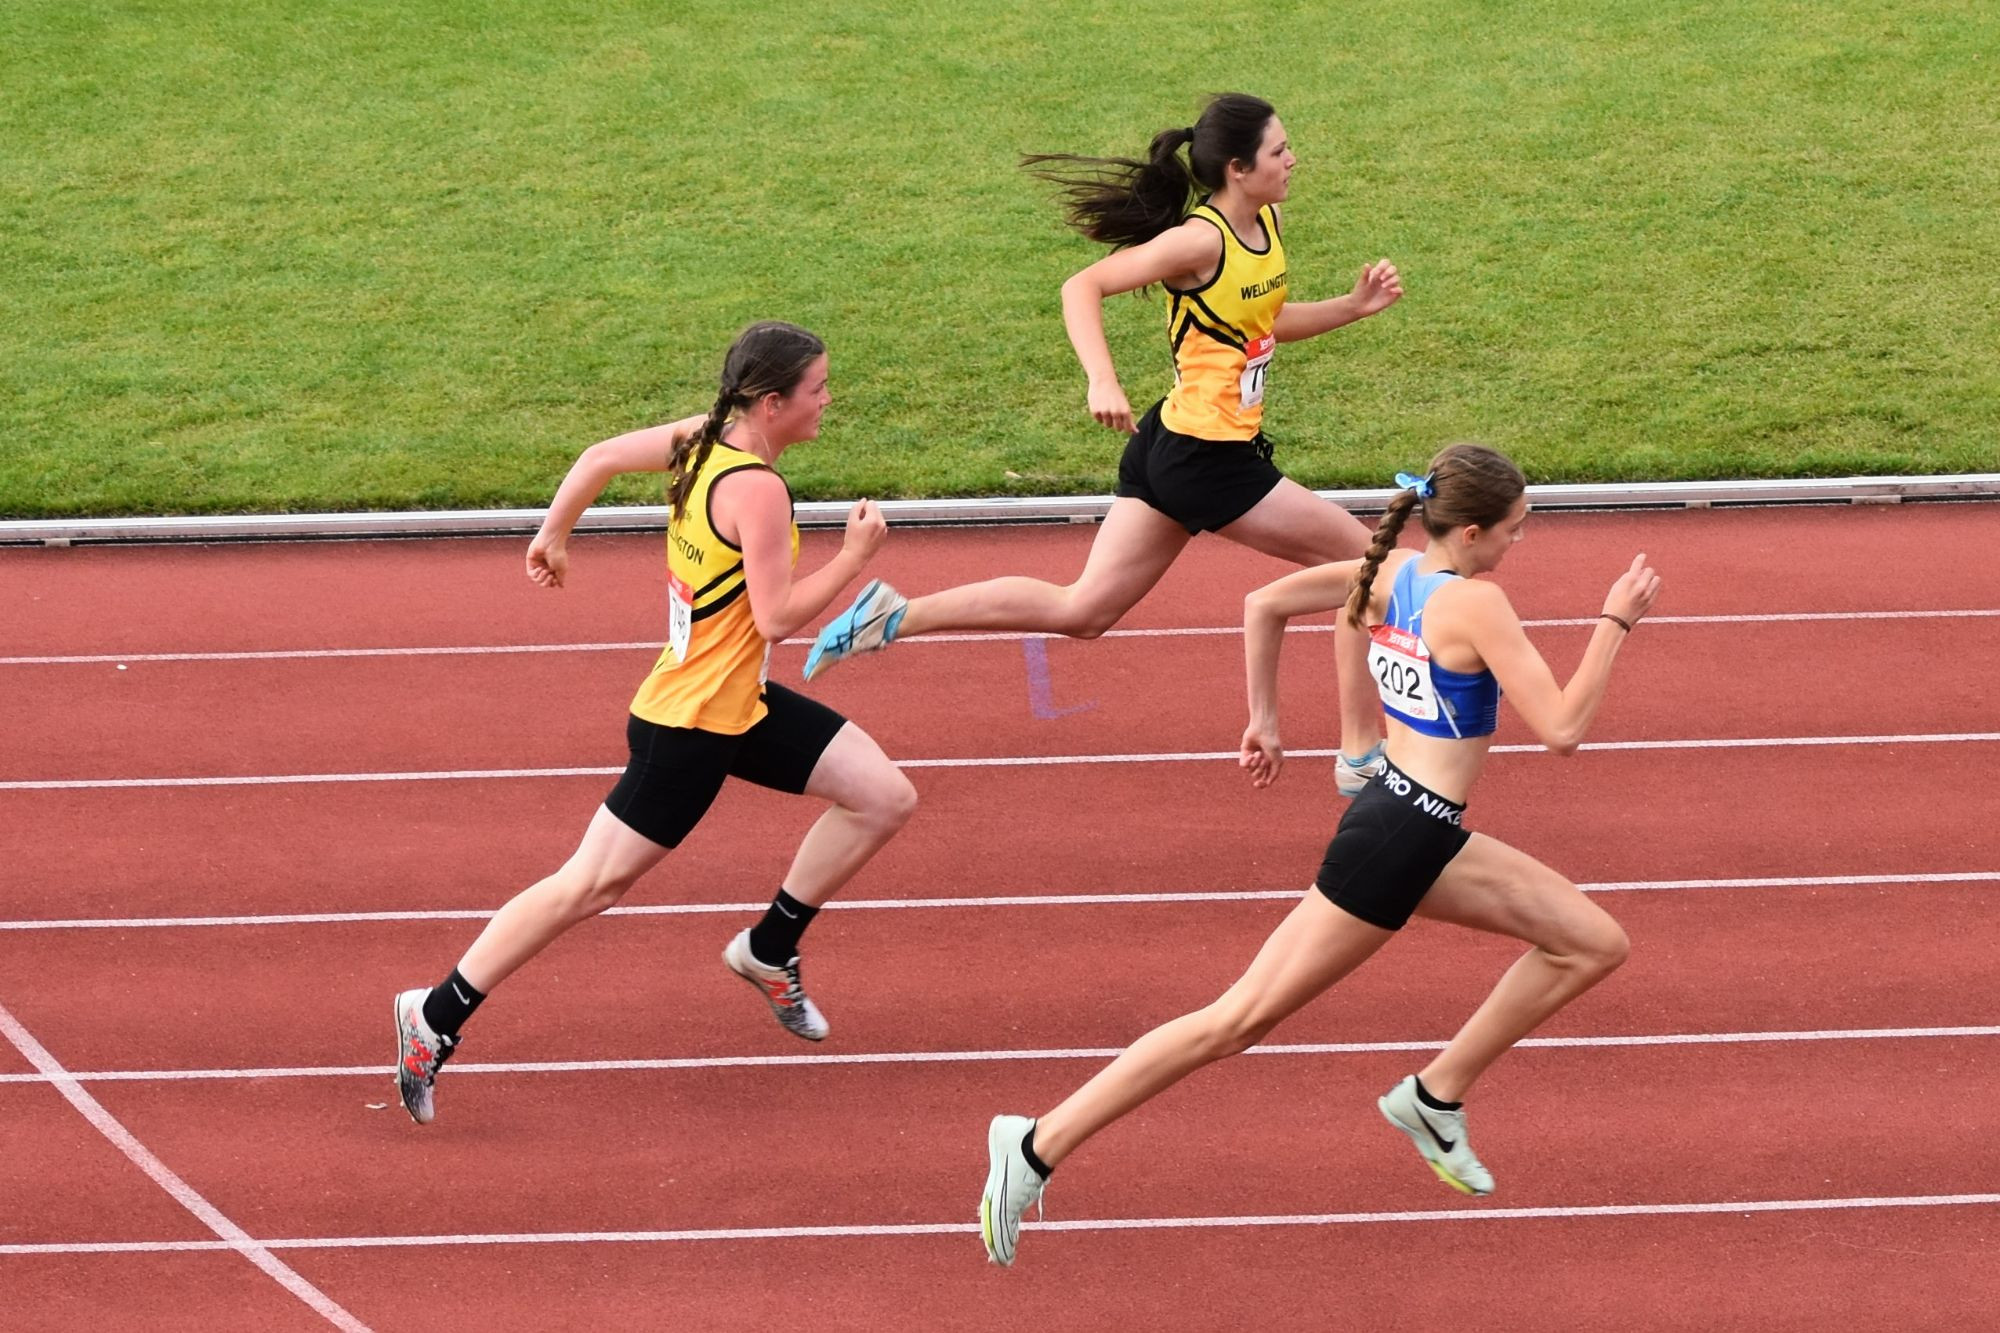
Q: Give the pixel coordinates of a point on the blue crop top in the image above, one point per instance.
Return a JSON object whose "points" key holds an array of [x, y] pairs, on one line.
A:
{"points": [[1416, 691]]}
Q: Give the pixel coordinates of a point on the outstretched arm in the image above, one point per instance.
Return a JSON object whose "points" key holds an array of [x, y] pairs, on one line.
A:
{"points": [[635, 451], [1266, 612], [1378, 288], [1559, 715]]}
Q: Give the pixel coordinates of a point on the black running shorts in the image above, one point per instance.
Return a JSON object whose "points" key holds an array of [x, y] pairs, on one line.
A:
{"points": [[1200, 484], [1395, 840], [675, 772]]}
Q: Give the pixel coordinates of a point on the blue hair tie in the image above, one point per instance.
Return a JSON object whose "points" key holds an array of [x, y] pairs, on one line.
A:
{"points": [[1424, 486]]}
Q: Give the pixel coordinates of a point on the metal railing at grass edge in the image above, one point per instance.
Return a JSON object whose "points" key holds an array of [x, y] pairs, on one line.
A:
{"points": [[996, 510]]}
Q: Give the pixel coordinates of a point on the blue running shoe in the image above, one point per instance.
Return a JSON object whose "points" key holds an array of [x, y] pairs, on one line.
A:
{"points": [[867, 626]]}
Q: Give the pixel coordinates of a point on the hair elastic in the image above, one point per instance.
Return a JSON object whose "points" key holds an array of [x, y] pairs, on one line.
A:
{"points": [[1425, 486]]}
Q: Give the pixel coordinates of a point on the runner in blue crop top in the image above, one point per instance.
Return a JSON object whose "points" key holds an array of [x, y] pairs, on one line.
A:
{"points": [[1401, 846], [1421, 694]]}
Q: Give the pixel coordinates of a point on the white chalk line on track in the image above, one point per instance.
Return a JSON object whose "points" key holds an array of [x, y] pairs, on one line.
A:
{"points": [[989, 761], [911, 904], [653, 645], [382, 1071], [232, 1236], [1470, 1213]]}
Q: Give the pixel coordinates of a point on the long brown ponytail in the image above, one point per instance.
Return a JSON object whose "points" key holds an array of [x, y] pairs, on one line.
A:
{"points": [[1123, 201], [770, 357], [1468, 484]]}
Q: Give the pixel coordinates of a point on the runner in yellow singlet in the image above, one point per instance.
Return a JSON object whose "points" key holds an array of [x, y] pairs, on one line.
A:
{"points": [[706, 711], [1207, 229]]}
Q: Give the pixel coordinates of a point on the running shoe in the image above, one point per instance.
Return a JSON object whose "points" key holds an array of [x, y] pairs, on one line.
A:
{"points": [[1439, 1136], [780, 987], [1351, 775], [867, 626], [420, 1053], [1011, 1185]]}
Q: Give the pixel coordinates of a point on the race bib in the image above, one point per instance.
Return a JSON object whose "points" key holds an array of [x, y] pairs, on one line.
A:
{"points": [[1259, 352], [1401, 665], [680, 616]]}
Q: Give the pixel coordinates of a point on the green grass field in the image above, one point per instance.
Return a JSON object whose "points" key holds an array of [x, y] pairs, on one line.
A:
{"points": [[270, 256]]}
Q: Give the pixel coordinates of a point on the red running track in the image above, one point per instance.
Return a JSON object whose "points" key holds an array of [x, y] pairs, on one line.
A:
{"points": [[1886, 957]]}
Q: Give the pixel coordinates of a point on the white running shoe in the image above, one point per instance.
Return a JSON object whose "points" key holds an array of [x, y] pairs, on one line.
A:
{"points": [[867, 626], [1351, 775], [1011, 1185], [1439, 1136], [780, 987], [420, 1053]]}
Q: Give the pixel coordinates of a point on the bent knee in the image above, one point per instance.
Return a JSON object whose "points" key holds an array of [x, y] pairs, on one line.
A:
{"points": [[1233, 1031], [898, 801], [1606, 949]]}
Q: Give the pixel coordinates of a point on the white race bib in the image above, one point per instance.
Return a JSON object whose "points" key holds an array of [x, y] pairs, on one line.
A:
{"points": [[680, 616], [1259, 352], [1401, 665]]}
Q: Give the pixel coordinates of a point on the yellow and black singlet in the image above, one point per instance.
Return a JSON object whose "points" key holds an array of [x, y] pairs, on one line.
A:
{"points": [[1222, 335], [710, 676]]}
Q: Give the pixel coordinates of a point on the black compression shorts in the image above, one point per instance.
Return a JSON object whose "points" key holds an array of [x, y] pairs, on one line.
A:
{"points": [[1200, 484], [675, 772], [1395, 840]]}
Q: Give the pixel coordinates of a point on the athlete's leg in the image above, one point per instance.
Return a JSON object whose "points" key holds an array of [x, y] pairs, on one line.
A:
{"points": [[1133, 548], [1314, 947], [608, 861], [1294, 524], [871, 800], [1491, 886]]}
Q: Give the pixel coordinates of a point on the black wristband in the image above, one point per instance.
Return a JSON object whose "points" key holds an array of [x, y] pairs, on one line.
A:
{"points": [[1619, 621]]}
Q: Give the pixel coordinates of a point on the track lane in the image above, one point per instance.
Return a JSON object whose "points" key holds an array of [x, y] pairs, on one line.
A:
{"points": [[962, 700], [1252, 1137], [472, 590], [1858, 1271], [1095, 978], [1598, 816]]}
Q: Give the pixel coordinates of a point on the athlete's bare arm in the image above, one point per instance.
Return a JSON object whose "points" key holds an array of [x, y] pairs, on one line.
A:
{"points": [[635, 451], [1559, 715], [752, 508], [1266, 612], [1184, 256], [1378, 288]]}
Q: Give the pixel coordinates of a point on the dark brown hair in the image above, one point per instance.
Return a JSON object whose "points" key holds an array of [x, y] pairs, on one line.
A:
{"points": [[770, 357], [1123, 201], [1470, 484]]}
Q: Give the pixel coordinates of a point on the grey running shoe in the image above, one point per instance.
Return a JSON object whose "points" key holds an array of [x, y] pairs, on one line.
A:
{"points": [[1439, 1136], [1351, 775], [420, 1053], [780, 987], [1011, 1185], [867, 626]]}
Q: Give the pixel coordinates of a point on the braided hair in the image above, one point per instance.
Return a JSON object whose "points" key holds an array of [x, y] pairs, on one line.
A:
{"points": [[1468, 484], [769, 357]]}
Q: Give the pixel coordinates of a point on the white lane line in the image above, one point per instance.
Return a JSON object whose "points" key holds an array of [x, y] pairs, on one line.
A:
{"points": [[910, 904], [988, 1057], [233, 1237], [1469, 1213], [653, 645], [989, 761]]}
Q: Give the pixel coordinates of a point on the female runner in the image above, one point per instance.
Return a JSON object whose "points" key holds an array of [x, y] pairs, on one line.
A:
{"points": [[1441, 647], [1197, 461], [705, 712]]}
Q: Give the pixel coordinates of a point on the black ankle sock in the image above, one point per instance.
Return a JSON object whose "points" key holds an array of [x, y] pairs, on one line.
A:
{"points": [[450, 1003], [1042, 1168], [774, 941], [1424, 1096]]}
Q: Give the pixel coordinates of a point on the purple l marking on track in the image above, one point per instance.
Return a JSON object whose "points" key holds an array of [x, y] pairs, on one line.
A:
{"points": [[1041, 695]]}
